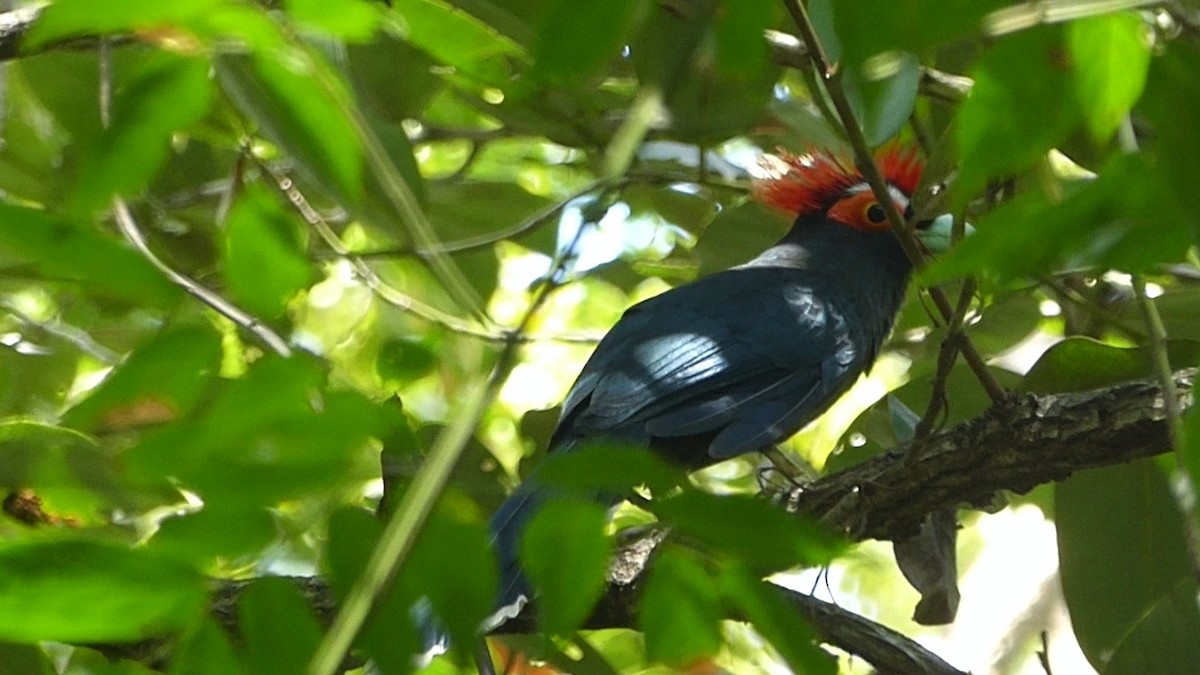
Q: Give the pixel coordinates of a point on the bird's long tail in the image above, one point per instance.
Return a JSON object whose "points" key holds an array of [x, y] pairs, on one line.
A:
{"points": [[508, 526]]}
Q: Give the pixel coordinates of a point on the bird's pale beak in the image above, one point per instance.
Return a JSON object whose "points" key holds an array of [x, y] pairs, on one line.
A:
{"points": [[936, 234]]}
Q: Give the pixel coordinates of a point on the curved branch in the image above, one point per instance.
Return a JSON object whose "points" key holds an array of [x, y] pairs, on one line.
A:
{"points": [[1016, 445]]}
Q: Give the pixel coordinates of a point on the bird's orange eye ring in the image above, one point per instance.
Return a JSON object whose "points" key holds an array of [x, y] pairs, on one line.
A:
{"points": [[861, 211], [873, 213]]}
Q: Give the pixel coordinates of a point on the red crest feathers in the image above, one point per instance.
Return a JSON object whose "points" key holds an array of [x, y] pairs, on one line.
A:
{"points": [[813, 181]]}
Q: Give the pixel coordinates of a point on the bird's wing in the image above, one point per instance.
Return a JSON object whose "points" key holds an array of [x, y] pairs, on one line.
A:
{"points": [[748, 355]]}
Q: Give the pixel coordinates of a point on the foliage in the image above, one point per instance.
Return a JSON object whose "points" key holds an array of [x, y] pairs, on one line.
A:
{"points": [[394, 187]]}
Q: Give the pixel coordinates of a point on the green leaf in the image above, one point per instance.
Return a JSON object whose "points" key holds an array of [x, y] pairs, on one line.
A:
{"points": [[276, 91], [1016, 111], [389, 637], [737, 235], [215, 532], [868, 27], [1112, 522], [475, 49], [609, 468], [1079, 364], [392, 78], [353, 20], [680, 611], [78, 18], [1111, 54], [737, 526], [264, 259], [883, 93], [206, 650], [461, 594], [1115, 221], [565, 554], [1172, 105], [19, 659], [1191, 446], [271, 435], [34, 454], [1164, 640], [87, 591], [62, 249], [712, 92], [578, 37], [161, 381], [278, 631], [776, 620], [169, 93], [738, 33]]}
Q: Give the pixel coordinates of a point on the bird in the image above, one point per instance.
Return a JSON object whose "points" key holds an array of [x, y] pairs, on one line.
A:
{"points": [[740, 360]]}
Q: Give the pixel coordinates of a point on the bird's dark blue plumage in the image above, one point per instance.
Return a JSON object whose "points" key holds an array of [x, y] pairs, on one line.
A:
{"points": [[732, 363]]}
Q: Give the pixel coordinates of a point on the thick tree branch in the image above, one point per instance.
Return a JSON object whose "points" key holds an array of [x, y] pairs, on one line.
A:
{"points": [[1016, 445]]}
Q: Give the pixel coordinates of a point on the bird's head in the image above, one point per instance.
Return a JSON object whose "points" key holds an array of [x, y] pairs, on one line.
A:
{"points": [[820, 184]]}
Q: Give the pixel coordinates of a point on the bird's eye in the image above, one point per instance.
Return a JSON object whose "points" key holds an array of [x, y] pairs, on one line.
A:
{"points": [[908, 212], [874, 214]]}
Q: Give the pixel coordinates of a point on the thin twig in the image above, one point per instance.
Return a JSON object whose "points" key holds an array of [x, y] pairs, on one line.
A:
{"points": [[947, 355], [245, 320], [544, 216], [66, 332], [133, 234], [389, 294], [831, 76]]}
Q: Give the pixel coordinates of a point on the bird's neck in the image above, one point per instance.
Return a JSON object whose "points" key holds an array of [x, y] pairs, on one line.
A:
{"points": [[868, 269]]}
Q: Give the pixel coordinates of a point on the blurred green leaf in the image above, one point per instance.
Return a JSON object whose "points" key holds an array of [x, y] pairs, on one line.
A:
{"points": [[461, 594], [738, 33], [206, 650], [78, 18], [680, 611], [577, 37], [1079, 364], [1016, 111], [1115, 221], [883, 94], [74, 590], [353, 20], [712, 91], [390, 637], [1111, 54], [1121, 547], [276, 91], [477, 51], [737, 526], [565, 554], [405, 360], [1172, 105], [779, 622], [872, 26], [610, 468], [391, 77], [19, 659], [271, 435], [278, 631], [264, 258], [1164, 640], [167, 94], [60, 249], [215, 532], [161, 381], [737, 235]]}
